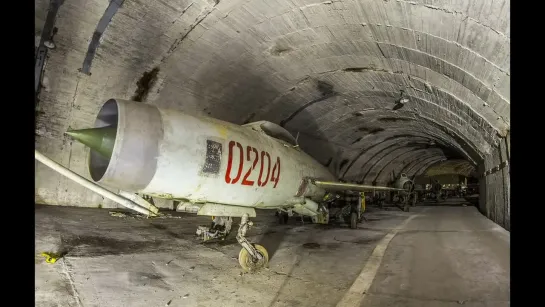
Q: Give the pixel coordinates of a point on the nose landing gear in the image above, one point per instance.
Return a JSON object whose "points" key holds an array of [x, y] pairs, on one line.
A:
{"points": [[252, 257]]}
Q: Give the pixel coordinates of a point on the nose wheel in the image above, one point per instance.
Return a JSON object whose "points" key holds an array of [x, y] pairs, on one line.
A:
{"points": [[252, 257], [250, 264]]}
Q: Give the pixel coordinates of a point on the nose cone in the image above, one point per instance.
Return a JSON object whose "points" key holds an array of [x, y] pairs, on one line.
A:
{"points": [[101, 140]]}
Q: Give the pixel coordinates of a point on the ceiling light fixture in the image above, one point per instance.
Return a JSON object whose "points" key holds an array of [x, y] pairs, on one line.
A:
{"points": [[401, 101]]}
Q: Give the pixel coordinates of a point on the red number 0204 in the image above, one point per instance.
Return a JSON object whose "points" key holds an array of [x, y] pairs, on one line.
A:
{"points": [[253, 157]]}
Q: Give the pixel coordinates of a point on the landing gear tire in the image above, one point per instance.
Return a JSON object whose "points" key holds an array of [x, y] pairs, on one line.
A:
{"points": [[251, 257], [248, 264], [354, 220]]}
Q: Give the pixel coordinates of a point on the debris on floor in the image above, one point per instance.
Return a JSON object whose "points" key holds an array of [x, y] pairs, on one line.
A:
{"points": [[117, 214], [141, 216], [51, 257], [311, 245], [133, 215], [168, 216]]}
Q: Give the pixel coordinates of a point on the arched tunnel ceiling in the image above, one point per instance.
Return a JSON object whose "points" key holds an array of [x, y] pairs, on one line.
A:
{"points": [[330, 71], [460, 167]]}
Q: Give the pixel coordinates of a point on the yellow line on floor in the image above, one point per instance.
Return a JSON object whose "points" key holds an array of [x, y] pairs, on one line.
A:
{"points": [[355, 295]]}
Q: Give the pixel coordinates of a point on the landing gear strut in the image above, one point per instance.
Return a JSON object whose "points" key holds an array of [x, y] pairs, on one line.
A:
{"points": [[220, 228], [252, 257], [354, 220], [282, 216]]}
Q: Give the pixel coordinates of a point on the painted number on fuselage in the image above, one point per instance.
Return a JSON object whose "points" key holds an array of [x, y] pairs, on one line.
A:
{"points": [[248, 159]]}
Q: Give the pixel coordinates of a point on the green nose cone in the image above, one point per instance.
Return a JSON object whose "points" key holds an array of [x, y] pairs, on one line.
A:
{"points": [[101, 140]]}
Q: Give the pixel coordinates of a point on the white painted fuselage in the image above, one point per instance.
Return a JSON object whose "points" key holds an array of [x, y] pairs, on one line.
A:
{"points": [[204, 160]]}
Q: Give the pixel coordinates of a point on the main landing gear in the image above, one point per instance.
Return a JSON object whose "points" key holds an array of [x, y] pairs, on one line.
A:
{"points": [[252, 257], [283, 216], [220, 228]]}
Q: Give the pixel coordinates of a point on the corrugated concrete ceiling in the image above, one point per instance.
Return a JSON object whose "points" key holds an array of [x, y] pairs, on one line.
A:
{"points": [[328, 70], [459, 167]]}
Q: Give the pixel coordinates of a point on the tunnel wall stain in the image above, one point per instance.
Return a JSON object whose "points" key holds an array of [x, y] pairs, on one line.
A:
{"points": [[144, 84], [325, 89], [101, 27]]}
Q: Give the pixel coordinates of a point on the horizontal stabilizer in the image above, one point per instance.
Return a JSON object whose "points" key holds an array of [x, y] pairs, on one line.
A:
{"points": [[342, 186]]}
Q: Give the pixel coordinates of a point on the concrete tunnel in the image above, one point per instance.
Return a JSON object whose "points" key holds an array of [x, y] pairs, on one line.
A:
{"points": [[372, 88]]}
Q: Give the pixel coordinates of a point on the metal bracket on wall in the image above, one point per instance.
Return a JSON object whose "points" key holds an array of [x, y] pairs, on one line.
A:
{"points": [[495, 169]]}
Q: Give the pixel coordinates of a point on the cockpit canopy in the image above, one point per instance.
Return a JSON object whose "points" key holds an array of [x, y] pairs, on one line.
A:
{"points": [[273, 130]]}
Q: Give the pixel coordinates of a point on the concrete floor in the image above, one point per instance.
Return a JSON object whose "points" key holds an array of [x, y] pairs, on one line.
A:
{"points": [[437, 256]]}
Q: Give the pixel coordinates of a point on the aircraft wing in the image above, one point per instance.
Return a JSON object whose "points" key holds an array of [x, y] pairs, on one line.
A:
{"points": [[340, 186]]}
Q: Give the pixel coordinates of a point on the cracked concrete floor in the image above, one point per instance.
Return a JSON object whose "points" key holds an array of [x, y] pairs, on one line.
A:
{"points": [[444, 256]]}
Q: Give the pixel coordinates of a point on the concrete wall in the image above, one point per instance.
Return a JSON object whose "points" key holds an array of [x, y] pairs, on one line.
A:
{"points": [[495, 191]]}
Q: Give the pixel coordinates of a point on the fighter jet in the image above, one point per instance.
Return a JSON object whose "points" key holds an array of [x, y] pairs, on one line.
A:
{"points": [[211, 167]]}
